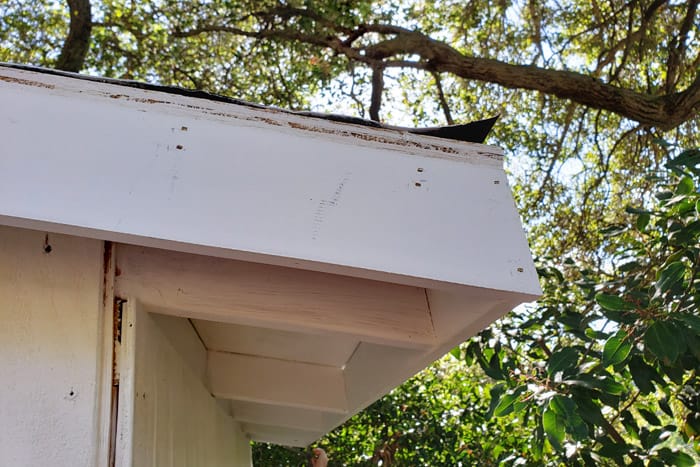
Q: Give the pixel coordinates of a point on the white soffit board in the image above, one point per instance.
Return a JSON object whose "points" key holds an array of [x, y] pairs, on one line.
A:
{"points": [[182, 173]]}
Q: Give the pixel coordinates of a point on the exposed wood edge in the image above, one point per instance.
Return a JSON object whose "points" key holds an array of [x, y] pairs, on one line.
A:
{"points": [[448, 308], [278, 435], [127, 360], [287, 417], [251, 115], [215, 289], [277, 382], [104, 415]]}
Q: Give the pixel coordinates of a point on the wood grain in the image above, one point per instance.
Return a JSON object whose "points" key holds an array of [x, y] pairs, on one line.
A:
{"points": [[233, 291]]}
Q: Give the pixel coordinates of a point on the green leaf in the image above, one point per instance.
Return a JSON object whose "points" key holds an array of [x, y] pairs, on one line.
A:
{"points": [[554, 426], [613, 302], [590, 411], [633, 210], [649, 417], [616, 349], [613, 450], [691, 321], [562, 360], [670, 276], [662, 340], [677, 458], [643, 221], [496, 393], [456, 353], [643, 375], [685, 186], [507, 404], [610, 386], [665, 406], [687, 158]]}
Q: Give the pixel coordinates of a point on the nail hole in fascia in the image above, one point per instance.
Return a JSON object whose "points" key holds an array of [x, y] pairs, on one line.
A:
{"points": [[47, 246], [496, 182], [420, 169], [521, 270], [184, 128], [179, 146], [71, 393], [418, 184]]}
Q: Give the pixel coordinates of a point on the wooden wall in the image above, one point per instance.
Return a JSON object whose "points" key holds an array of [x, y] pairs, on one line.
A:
{"points": [[174, 420], [50, 350]]}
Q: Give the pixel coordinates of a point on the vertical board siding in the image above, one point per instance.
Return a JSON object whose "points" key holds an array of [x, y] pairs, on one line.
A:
{"points": [[176, 421]]}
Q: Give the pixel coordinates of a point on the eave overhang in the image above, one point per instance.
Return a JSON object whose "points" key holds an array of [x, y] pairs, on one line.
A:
{"points": [[269, 230]]}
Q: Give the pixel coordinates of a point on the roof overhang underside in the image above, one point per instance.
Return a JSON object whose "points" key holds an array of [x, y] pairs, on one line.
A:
{"points": [[293, 245]]}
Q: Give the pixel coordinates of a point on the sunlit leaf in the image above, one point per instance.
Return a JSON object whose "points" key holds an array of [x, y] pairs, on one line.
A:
{"points": [[616, 349], [613, 302]]}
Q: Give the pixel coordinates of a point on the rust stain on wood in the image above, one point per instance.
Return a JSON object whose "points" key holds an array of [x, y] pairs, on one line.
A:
{"points": [[106, 269], [26, 82], [142, 100]]}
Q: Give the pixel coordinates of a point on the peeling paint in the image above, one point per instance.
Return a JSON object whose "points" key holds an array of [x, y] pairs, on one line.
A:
{"points": [[372, 138], [26, 82]]}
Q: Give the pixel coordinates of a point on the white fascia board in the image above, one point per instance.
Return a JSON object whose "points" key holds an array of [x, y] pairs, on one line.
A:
{"points": [[182, 173]]}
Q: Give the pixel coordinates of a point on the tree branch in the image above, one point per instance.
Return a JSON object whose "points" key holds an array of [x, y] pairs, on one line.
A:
{"points": [[377, 89], [76, 45], [664, 112], [443, 101], [677, 47]]}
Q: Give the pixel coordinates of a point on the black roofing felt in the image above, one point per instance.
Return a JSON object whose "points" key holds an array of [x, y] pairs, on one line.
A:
{"points": [[473, 132]]}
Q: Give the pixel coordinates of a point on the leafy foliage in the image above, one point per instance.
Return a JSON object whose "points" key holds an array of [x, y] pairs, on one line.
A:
{"points": [[604, 368], [620, 343]]}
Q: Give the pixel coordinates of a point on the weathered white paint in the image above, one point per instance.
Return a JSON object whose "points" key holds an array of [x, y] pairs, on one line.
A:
{"points": [[282, 416], [318, 327], [277, 297], [377, 252], [322, 349], [214, 178], [173, 419], [50, 341], [273, 381]]}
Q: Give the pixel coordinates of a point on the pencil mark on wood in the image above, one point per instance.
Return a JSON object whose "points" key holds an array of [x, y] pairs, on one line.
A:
{"points": [[325, 205]]}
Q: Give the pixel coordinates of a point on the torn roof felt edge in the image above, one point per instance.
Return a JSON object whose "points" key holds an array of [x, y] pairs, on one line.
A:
{"points": [[473, 132]]}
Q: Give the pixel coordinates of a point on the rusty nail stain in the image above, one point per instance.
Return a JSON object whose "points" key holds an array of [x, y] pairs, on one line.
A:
{"points": [[26, 82], [184, 128], [47, 246], [521, 270]]}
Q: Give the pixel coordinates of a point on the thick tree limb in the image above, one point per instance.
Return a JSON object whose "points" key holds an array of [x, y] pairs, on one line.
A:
{"points": [[377, 90], [443, 100], [77, 43], [678, 46], [662, 111]]}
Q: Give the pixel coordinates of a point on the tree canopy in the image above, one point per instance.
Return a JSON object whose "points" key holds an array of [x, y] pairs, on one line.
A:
{"points": [[598, 105]]}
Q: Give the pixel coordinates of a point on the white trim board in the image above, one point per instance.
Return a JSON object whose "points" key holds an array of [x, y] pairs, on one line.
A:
{"points": [[169, 171]]}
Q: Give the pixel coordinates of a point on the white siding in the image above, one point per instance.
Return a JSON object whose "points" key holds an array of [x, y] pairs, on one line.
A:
{"points": [[50, 307], [175, 420]]}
